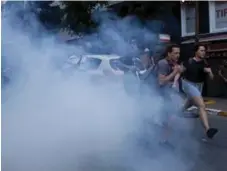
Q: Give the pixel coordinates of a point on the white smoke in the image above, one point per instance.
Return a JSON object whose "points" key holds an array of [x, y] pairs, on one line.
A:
{"points": [[51, 122]]}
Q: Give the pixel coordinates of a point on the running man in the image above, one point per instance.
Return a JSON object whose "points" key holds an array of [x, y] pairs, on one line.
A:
{"points": [[194, 73], [167, 70]]}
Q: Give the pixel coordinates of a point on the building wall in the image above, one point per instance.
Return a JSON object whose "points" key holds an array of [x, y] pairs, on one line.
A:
{"points": [[212, 17], [212, 32], [158, 17]]}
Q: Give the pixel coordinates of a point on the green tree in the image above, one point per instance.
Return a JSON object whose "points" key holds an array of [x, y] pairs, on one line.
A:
{"points": [[78, 14], [50, 16]]}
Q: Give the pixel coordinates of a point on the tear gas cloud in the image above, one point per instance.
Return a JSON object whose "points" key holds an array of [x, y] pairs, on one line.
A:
{"points": [[51, 122]]}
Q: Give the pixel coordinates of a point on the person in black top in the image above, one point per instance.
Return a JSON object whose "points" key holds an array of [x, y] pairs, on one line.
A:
{"points": [[194, 72]]}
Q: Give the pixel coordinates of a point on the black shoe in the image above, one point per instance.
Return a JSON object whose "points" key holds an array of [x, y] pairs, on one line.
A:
{"points": [[167, 144], [211, 132]]}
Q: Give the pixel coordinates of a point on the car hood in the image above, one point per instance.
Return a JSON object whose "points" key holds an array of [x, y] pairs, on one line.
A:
{"points": [[102, 56]]}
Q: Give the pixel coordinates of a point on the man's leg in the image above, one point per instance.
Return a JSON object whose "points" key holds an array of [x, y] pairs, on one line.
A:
{"points": [[199, 102], [187, 104], [185, 88], [169, 117], [166, 132], [194, 93]]}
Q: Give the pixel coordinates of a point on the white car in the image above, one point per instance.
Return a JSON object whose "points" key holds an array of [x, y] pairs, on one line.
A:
{"points": [[105, 65]]}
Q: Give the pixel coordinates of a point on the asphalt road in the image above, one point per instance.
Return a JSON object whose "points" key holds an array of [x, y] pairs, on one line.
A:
{"points": [[191, 150], [213, 154], [205, 156], [209, 155]]}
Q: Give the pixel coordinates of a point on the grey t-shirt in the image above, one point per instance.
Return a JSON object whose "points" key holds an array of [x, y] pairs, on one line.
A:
{"points": [[164, 68]]}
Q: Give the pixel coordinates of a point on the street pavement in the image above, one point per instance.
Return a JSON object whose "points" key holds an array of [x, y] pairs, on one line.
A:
{"points": [[188, 140], [213, 154], [209, 155]]}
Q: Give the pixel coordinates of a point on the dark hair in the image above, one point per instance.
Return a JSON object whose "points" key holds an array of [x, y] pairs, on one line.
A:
{"points": [[197, 46], [169, 48]]}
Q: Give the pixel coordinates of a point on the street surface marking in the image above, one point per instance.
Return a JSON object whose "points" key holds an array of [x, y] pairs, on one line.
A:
{"points": [[210, 111], [208, 102]]}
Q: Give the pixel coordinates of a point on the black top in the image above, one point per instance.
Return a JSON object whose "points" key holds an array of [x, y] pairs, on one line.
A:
{"points": [[194, 70]]}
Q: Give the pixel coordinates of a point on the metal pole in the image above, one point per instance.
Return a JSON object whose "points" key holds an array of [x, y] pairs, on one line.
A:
{"points": [[196, 22]]}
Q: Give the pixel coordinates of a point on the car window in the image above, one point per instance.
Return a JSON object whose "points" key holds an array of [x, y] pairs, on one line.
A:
{"points": [[90, 63], [118, 64]]}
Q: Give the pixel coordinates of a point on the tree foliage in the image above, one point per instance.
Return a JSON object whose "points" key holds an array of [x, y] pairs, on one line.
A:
{"points": [[49, 16], [78, 14], [73, 15]]}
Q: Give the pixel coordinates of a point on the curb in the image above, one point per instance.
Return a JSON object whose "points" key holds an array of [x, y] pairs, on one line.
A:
{"points": [[209, 102], [222, 113], [219, 112], [211, 111]]}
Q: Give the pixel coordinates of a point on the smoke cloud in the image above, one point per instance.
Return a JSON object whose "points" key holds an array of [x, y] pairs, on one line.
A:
{"points": [[51, 122]]}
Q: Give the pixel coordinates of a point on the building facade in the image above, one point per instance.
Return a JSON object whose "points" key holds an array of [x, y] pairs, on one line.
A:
{"points": [[212, 32], [160, 18]]}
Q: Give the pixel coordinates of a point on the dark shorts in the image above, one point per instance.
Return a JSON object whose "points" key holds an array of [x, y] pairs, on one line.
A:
{"points": [[192, 89]]}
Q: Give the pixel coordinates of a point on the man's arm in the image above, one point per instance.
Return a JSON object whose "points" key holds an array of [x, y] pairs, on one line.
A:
{"points": [[163, 76], [209, 72], [222, 76], [181, 70], [176, 78], [145, 73], [211, 75]]}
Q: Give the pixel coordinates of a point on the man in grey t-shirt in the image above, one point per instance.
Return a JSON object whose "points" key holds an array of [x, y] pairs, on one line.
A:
{"points": [[167, 69]]}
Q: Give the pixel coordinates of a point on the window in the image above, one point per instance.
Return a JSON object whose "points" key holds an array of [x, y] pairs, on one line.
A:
{"points": [[218, 16], [90, 63], [190, 19], [187, 19], [117, 64]]}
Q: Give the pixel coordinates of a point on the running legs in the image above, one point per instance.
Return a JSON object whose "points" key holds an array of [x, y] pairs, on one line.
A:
{"points": [[198, 101]]}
